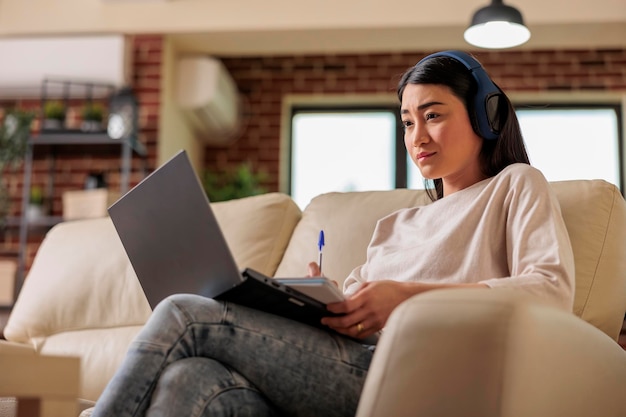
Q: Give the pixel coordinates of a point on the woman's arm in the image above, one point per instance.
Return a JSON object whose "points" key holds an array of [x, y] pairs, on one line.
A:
{"points": [[367, 311], [512, 235], [539, 252]]}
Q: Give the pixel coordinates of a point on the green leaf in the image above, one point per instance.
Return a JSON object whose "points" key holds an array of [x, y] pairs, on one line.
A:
{"points": [[54, 109], [14, 134], [239, 182]]}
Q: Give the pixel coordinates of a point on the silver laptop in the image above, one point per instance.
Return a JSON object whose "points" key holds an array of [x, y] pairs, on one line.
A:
{"points": [[175, 245]]}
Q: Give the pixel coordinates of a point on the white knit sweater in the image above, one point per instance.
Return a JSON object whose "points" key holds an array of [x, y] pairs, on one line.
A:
{"points": [[505, 231]]}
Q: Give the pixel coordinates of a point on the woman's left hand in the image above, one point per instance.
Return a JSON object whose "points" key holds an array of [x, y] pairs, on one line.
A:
{"points": [[367, 311]]}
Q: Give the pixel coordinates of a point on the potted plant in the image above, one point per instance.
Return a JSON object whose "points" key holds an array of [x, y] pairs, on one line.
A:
{"points": [[239, 182], [35, 210], [54, 115], [92, 115]]}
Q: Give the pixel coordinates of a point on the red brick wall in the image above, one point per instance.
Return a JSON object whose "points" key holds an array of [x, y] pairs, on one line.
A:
{"points": [[265, 80], [73, 163]]}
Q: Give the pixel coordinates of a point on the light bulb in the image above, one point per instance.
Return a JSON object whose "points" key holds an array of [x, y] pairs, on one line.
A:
{"points": [[497, 34]]}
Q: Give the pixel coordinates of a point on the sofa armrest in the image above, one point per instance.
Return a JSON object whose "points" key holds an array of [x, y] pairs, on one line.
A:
{"points": [[492, 353], [15, 348]]}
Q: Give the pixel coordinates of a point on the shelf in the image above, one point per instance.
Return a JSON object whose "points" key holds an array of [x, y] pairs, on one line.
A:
{"points": [[44, 221], [49, 139], [78, 137], [12, 221]]}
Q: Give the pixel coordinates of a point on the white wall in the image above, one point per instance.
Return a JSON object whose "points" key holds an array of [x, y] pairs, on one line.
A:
{"points": [[99, 59], [174, 132]]}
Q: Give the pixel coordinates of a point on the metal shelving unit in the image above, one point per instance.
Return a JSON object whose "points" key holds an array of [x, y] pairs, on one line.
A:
{"points": [[66, 138], [52, 138]]}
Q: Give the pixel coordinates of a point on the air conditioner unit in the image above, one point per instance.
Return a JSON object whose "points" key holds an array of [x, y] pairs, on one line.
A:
{"points": [[209, 99], [27, 62]]}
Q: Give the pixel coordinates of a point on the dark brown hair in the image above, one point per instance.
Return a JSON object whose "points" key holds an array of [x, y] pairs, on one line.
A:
{"points": [[495, 155]]}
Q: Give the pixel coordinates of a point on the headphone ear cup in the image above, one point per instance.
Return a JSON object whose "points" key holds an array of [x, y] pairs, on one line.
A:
{"points": [[496, 111]]}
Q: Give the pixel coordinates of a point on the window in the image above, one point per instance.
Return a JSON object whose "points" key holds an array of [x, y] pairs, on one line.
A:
{"points": [[345, 150], [358, 149], [573, 142]]}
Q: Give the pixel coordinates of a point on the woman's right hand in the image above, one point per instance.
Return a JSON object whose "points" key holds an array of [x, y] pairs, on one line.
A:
{"points": [[367, 310], [313, 270]]}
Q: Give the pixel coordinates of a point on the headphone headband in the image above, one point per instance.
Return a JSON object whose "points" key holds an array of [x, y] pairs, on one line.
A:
{"points": [[486, 100]]}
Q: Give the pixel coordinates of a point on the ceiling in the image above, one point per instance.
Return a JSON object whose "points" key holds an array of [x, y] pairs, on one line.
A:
{"points": [[250, 27], [564, 36]]}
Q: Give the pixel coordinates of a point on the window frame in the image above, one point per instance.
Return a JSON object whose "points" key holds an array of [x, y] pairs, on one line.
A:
{"points": [[400, 177], [521, 100], [595, 101]]}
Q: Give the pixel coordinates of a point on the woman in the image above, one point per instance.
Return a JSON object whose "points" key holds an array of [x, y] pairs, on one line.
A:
{"points": [[493, 223]]}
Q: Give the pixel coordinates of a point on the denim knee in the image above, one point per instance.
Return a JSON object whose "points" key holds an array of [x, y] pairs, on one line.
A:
{"points": [[192, 307], [240, 402], [205, 387], [173, 318]]}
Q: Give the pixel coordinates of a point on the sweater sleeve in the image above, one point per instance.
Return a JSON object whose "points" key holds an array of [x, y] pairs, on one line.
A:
{"points": [[354, 281], [539, 251]]}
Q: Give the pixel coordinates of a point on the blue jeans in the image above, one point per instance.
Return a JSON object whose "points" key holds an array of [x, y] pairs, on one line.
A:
{"points": [[200, 357]]}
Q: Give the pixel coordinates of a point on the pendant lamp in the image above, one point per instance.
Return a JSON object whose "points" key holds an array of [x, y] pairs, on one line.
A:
{"points": [[497, 26]]}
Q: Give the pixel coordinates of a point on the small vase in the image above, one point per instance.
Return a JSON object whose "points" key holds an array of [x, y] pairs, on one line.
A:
{"points": [[91, 126], [52, 124], [34, 213]]}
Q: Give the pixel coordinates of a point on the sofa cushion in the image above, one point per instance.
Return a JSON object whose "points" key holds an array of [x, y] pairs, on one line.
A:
{"points": [[258, 229], [101, 352], [595, 216], [81, 277], [348, 221], [593, 210]]}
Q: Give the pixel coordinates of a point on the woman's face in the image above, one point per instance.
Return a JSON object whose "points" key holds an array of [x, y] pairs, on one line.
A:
{"points": [[439, 136]]}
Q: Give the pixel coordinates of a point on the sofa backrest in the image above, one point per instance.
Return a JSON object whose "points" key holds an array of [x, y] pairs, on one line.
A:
{"points": [[82, 298], [348, 221], [594, 213], [81, 278]]}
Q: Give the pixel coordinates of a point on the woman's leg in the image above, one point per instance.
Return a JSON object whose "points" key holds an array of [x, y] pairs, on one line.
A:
{"points": [[300, 369], [218, 392]]}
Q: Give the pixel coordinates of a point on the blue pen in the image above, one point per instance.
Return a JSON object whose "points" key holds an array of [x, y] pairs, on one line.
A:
{"points": [[320, 245]]}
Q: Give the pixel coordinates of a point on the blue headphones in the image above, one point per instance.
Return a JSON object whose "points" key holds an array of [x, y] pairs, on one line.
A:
{"points": [[487, 99]]}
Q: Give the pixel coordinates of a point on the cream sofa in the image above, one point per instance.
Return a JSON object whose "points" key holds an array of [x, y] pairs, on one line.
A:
{"points": [[444, 353]]}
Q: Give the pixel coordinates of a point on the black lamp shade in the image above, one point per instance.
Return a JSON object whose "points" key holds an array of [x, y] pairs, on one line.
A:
{"points": [[497, 12], [497, 26]]}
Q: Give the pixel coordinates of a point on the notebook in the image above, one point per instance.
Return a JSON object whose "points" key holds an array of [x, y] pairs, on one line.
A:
{"points": [[175, 245]]}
